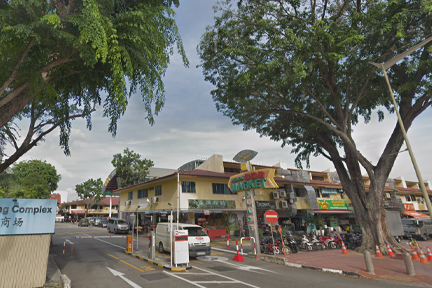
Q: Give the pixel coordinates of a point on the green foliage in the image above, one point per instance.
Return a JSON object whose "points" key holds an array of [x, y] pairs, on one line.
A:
{"points": [[36, 173], [130, 169], [91, 191], [62, 56]]}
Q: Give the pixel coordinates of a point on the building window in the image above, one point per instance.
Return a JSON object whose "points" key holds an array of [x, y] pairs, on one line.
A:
{"points": [[413, 198], [94, 207], [143, 193], [130, 195], [188, 187], [317, 193], [318, 178], [221, 189], [158, 190], [407, 198], [73, 206]]}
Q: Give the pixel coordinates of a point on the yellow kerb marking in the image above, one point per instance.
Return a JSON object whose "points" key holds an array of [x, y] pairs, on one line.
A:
{"points": [[113, 256], [131, 265]]}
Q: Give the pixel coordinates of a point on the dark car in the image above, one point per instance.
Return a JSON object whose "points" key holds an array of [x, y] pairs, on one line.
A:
{"points": [[103, 223], [83, 222]]}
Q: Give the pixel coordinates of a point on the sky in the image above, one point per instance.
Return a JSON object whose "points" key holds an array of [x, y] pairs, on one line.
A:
{"points": [[190, 128]]}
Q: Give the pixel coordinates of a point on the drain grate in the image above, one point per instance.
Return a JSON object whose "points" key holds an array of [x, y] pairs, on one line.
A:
{"points": [[154, 276]]}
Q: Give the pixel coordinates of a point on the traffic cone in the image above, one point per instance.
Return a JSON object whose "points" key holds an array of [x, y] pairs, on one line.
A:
{"points": [[423, 259], [417, 248], [414, 255], [390, 252], [344, 250], [429, 254], [378, 252]]}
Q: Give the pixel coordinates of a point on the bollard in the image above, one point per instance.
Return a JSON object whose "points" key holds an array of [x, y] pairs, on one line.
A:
{"points": [[368, 260], [408, 263], [227, 242], [64, 248], [72, 251]]}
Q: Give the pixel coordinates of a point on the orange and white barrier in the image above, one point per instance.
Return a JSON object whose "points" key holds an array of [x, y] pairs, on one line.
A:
{"points": [[423, 259], [238, 257], [344, 250], [414, 255], [378, 252], [227, 242], [248, 238], [390, 251], [429, 254]]}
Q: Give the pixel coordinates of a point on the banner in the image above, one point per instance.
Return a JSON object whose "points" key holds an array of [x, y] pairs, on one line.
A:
{"points": [[332, 205], [27, 216]]}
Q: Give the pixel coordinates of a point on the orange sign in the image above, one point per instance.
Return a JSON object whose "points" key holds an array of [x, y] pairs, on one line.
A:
{"points": [[252, 179]]}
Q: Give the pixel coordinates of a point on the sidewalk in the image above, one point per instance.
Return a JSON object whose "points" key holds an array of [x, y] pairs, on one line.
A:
{"points": [[354, 264]]}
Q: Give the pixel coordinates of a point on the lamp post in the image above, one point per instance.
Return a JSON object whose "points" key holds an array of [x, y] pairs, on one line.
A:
{"points": [[384, 67], [137, 224], [171, 226]]}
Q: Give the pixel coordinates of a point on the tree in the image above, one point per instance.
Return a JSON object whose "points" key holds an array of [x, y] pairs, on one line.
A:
{"points": [[31, 172], [90, 191], [58, 56], [130, 169], [298, 72]]}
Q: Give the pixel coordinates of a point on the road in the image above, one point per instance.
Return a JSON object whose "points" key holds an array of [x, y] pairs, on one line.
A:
{"points": [[101, 262]]}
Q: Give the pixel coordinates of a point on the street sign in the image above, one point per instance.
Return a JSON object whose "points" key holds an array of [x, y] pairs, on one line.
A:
{"points": [[271, 216]]}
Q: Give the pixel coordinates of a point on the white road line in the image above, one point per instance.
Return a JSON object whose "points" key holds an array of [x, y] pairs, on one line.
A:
{"points": [[181, 278], [246, 267], [226, 277], [107, 242]]}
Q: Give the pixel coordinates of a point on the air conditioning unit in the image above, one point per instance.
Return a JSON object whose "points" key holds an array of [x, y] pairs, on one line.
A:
{"points": [[282, 193], [154, 200], [283, 204], [275, 195], [291, 201], [128, 202]]}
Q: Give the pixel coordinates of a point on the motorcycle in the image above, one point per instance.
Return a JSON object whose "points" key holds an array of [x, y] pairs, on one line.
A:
{"points": [[328, 241], [305, 244], [267, 247], [315, 242], [290, 242]]}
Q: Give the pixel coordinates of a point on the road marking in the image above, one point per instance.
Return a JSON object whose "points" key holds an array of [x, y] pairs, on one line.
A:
{"points": [[113, 256], [196, 261], [131, 265], [119, 274], [147, 268], [197, 283], [246, 267], [107, 242]]}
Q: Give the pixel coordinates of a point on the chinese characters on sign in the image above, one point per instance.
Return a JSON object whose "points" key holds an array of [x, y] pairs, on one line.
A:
{"points": [[27, 216], [211, 204]]}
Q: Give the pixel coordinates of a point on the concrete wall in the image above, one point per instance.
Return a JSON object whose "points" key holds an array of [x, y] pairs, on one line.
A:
{"points": [[24, 260]]}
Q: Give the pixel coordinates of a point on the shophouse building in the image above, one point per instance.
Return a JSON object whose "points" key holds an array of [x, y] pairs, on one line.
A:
{"points": [[76, 209]]}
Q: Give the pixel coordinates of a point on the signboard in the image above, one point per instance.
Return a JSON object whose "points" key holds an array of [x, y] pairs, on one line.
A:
{"points": [[252, 179], [27, 216], [265, 205], [245, 155], [271, 216], [211, 204], [332, 205], [181, 247]]}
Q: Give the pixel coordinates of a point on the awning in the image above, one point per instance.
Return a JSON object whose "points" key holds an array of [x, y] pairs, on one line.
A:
{"points": [[130, 208], [332, 211], [415, 214]]}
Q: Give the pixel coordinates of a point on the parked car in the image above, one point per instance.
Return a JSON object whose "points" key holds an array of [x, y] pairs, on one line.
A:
{"points": [[117, 226], [83, 222], [103, 223], [96, 221], [417, 228], [91, 220]]}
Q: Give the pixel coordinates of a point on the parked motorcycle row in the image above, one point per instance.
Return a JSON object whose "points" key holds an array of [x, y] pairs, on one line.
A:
{"points": [[307, 242]]}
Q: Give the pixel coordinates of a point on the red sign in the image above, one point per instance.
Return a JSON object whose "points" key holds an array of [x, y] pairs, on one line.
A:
{"points": [[271, 216]]}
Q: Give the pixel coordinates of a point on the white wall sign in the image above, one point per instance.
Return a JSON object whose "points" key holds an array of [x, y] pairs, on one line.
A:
{"points": [[27, 216]]}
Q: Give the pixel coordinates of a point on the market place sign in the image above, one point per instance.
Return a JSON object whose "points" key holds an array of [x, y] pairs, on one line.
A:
{"points": [[332, 205], [256, 179], [27, 216]]}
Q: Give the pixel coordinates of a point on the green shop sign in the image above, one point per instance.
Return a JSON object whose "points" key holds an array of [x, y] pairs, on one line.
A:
{"points": [[332, 204], [211, 204]]}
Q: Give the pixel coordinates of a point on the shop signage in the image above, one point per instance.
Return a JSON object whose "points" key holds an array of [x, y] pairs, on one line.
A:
{"points": [[211, 204], [245, 155], [265, 204], [27, 216], [332, 204], [252, 180]]}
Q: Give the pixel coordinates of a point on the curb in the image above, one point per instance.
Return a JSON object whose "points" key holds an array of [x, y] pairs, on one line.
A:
{"points": [[174, 269], [283, 261]]}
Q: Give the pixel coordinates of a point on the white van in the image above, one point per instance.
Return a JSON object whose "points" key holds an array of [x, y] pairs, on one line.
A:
{"points": [[199, 242], [117, 226]]}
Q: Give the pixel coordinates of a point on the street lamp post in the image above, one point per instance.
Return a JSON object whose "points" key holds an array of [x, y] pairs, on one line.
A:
{"points": [[384, 67], [137, 224], [171, 226]]}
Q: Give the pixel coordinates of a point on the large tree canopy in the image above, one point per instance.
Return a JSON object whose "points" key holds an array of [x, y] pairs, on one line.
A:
{"points": [[58, 58], [90, 191], [298, 71], [130, 168]]}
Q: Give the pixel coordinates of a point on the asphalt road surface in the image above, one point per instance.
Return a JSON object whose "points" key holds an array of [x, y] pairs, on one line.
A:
{"points": [[101, 262]]}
